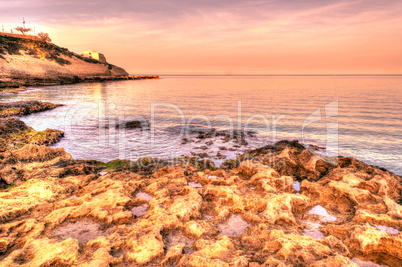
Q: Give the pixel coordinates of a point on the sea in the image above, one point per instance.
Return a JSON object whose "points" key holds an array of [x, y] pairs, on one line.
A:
{"points": [[359, 116]]}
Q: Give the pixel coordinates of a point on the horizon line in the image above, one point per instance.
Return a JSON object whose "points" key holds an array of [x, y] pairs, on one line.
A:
{"points": [[228, 75]]}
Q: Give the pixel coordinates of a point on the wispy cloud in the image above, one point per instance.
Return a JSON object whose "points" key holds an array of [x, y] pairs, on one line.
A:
{"points": [[260, 35]]}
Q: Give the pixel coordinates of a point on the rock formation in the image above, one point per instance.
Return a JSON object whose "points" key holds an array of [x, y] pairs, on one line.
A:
{"points": [[57, 211], [16, 134], [24, 108]]}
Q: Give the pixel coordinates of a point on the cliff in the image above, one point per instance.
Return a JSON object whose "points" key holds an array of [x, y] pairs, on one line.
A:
{"points": [[26, 62]]}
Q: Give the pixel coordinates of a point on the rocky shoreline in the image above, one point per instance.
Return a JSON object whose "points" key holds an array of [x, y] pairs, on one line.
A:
{"points": [[279, 205], [20, 108], [16, 85]]}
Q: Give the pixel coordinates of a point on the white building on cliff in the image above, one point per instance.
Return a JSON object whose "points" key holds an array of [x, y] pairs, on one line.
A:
{"points": [[94, 55]]}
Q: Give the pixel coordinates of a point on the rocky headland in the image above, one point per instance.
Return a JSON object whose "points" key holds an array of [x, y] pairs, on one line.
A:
{"points": [[27, 62], [279, 205]]}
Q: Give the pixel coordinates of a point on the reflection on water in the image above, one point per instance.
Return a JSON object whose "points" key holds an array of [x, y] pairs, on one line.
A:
{"points": [[387, 229], [97, 92], [322, 213], [369, 120], [296, 185]]}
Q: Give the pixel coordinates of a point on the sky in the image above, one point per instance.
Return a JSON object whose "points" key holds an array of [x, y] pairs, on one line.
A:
{"points": [[224, 36]]}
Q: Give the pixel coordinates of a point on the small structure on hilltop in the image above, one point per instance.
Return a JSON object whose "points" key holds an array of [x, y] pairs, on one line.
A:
{"points": [[24, 33], [94, 55]]}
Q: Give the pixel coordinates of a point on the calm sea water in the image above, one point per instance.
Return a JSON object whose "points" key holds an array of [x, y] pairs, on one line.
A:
{"points": [[359, 116]]}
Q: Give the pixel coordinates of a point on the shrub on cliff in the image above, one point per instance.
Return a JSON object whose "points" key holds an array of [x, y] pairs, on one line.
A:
{"points": [[44, 37], [23, 30], [37, 49], [62, 61], [10, 45]]}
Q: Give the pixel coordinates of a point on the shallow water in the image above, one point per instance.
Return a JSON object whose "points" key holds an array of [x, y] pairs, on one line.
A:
{"points": [[362, 263], [313, 225], [176, 238], [296, 185], [83, 231], [118, 254], [140, 210], [387, 229], [367, 115], [324, 215], [234, 226], [144, 196], [312, 230], [195, 185]]}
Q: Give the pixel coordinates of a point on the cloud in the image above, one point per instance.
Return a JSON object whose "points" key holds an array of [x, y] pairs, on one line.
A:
{"points": [[222, 32]]}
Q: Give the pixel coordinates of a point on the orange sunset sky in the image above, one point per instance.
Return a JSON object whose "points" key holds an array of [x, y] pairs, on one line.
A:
{"points": [[228, 36]]}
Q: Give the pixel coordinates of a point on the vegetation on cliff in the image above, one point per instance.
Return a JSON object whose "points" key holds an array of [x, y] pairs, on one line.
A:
{"points": [[39, 49], [25, 62]]}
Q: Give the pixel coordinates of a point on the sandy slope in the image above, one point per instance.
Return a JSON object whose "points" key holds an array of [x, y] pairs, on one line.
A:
{"points": [[29, 68]]}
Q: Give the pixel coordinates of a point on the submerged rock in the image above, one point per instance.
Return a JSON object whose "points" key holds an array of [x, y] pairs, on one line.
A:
{"points": [[133, 125]]}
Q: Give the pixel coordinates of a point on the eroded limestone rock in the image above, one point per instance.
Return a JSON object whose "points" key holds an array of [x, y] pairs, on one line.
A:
{"points": [[14, 134], [246, 216]]}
